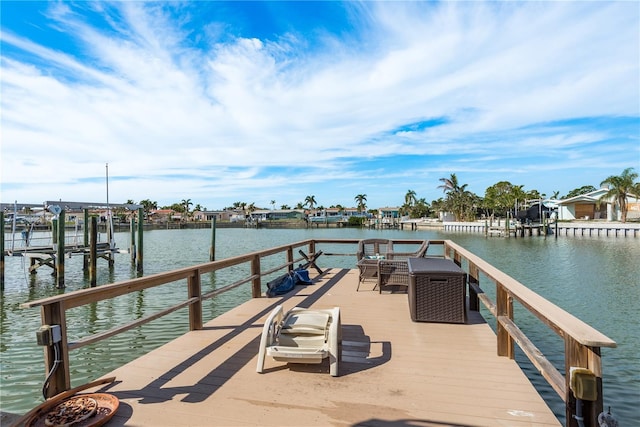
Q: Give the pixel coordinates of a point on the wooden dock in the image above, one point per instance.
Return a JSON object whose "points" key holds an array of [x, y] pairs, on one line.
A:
{"points": [[393, 371]]}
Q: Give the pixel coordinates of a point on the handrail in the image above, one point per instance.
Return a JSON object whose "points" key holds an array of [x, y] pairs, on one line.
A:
{"points": [[582, 342], [554, 316], [53, 309]]}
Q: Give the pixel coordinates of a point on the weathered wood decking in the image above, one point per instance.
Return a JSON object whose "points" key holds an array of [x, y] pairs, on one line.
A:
{"points": [[394, 371]]}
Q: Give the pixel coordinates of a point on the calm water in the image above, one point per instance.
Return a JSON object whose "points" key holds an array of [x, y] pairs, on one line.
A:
{"points": [[597, 279]]}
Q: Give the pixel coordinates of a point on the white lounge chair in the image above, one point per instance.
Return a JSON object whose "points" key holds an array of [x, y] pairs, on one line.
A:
{"points": [[302, 336]]}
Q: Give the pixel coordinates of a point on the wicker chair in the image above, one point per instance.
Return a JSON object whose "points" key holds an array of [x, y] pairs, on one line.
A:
{"points": [[419, 253], [370, 251], [394, 272]]}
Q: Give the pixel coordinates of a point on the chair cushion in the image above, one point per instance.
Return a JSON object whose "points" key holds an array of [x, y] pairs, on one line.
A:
{"points": [[306, 322]]}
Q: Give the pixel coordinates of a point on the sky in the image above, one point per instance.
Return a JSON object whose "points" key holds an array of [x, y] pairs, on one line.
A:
{"points": [[259, 102]]}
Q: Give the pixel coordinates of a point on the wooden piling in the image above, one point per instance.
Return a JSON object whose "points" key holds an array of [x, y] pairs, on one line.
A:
{"points": [[60, 251], [2, 253], [54, 231], [506, 226], [93, 252], [132, 243], [139, 256], [212, 249], [110, 237], [85, 225]]}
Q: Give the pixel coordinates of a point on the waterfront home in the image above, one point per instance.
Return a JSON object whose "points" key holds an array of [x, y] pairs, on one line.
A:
{"points": [[209, 215], [275, 214], [161, 216], [589, 206]]}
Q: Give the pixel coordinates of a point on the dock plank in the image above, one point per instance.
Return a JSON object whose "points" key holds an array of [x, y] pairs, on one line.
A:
{"points": [[394, 371]]}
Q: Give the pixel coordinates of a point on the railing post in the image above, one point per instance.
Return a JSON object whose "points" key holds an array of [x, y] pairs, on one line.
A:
{"points": [[256, 284], [290, 258], [60, 380], [474, 277], [195, 309], [457, 258], [580, 356], [504, 307]]}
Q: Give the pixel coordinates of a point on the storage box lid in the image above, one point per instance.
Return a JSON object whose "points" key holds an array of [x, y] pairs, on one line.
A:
{"points": [[433, 265]]}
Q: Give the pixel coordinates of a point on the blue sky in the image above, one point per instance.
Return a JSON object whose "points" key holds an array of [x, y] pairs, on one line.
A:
{"points": [[223, 102]]}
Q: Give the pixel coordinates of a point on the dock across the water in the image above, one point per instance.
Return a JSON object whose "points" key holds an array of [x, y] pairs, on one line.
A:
{"points": [[577, 228]]}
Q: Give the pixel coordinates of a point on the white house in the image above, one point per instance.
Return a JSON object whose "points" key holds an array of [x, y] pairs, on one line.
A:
{"points": [[589, 206]]}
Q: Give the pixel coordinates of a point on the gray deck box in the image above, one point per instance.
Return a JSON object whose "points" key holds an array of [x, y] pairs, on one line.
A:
{"points": [[437, 291]]}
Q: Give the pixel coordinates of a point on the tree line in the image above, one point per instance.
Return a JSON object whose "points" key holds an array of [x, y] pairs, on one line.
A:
{"points": [[499, 200]]}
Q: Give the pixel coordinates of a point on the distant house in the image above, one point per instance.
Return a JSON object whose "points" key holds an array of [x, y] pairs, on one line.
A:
{"points": [[389, 213], [354, 212], [334, 215], [209, 215], [164, 215], [589, 206], [276, 214]]}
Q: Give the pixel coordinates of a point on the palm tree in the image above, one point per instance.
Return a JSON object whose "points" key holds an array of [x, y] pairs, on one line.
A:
{"points": [[619, 189], [360, 201], [310, 201], [273, 204], [458, 198], [186, 203], [410, 198], [450, 184]]}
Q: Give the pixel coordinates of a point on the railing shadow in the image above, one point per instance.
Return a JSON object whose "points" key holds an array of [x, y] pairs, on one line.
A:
{"points": [[157, 391]]}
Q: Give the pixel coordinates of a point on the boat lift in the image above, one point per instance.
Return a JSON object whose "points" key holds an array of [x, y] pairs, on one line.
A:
{"points": [[53, 254]]}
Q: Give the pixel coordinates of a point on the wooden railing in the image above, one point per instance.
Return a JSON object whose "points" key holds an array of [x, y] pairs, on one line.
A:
{"points": [[53, 309], [582, 343]]}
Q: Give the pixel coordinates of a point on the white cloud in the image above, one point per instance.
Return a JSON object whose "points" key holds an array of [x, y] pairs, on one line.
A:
{"points": [[142, 98]]}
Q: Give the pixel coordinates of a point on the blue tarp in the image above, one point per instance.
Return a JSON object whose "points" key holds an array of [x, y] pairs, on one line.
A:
{"points": [[286, 283]]}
